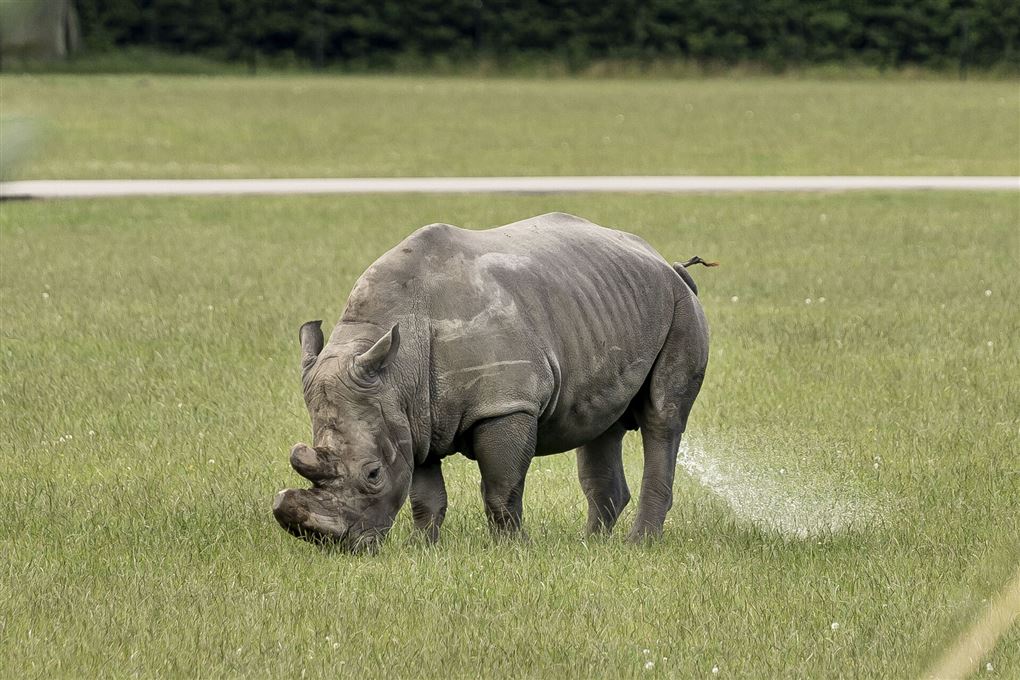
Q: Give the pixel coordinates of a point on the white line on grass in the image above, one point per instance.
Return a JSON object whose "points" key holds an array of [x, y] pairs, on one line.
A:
{"points": [[974, 646], [86, 188]]}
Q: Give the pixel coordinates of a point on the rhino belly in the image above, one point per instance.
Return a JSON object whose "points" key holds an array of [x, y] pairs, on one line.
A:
{"points": [[592, 397]]}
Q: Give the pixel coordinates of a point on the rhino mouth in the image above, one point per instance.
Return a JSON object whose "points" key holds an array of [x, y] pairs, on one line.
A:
{"points": [[313, 515]]}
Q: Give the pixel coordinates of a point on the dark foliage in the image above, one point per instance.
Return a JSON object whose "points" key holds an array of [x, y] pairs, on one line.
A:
{"points": [[932, 33]]}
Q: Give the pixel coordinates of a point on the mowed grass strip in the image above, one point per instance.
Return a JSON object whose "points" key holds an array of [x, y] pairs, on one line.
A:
{"points": [[164, 126], [854, 496]]}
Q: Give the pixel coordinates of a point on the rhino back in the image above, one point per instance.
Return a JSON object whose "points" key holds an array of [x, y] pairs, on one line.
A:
{"points": [[552, 316]]}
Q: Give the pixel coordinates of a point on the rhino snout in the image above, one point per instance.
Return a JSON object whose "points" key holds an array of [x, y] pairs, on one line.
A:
{"points": [[305, 513], [311, 514], [289, 511]]}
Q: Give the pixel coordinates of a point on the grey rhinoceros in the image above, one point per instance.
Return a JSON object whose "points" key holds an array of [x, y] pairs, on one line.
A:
{"points": [[537, 337]]}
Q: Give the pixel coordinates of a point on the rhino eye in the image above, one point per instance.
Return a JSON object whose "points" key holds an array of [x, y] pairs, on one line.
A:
{"points": [[373, 474]]}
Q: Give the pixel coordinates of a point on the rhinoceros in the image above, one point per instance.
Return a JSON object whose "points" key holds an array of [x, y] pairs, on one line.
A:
{"points": [[534, 338]]}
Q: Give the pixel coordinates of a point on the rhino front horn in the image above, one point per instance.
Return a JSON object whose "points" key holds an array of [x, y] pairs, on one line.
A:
{"points": [[306, 462]]}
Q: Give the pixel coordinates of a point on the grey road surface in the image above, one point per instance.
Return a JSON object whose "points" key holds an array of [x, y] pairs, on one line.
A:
{"points": [[49, 189]]}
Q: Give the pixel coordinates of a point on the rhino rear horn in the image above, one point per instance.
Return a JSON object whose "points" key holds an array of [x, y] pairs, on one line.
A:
{"points": [[306, 462], [311, 343]]}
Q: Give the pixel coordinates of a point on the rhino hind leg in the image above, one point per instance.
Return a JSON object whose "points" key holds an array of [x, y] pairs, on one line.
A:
{"points": [[504, 448], [428, 499], [670, 391], [600, 471], [660, 449]]}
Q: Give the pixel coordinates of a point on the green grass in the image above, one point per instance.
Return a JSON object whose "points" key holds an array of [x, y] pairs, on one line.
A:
{"points": [[150, 395], [160, 126]]}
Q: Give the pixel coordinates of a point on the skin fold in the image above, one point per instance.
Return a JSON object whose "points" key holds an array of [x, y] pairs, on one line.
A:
{"points": [[534, 338]]}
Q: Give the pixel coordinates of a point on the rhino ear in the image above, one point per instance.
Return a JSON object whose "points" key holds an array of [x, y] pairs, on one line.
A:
{"points": [[367, 366], [311, 343]]}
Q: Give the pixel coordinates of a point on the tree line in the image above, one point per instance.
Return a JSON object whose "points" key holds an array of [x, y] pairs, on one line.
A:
{"points": [[381, 33]]}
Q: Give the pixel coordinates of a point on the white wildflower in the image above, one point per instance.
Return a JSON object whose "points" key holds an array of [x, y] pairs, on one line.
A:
{"points": [[715, 670], [807, 301], [92, 433], [734, 299], [989, 667], [212, 461], [988, 293], [649, 665], [821, 299], [45, 296], [835, 625]]}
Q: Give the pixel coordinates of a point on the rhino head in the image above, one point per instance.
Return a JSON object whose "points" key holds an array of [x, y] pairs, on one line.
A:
{"points": [[360, 461]]}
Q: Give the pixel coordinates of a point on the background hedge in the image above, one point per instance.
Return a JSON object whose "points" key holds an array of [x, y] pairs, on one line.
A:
{"points": [[931, 33]]}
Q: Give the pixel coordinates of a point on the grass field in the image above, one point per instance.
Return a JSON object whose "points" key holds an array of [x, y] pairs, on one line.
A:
{"points": [[851, 486], [854, 494], [158, 126]]}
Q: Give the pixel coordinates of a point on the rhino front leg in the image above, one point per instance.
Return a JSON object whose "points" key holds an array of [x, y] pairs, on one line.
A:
{"points": [[504, 448], [428, 498]]}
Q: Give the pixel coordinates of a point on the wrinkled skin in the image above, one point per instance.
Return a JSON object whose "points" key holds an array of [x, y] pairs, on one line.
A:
{"points": [[535, 338], [360, 463]]}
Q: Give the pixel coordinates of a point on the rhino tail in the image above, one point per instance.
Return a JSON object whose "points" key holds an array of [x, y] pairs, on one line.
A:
{"points": [[681, 269], [694, 260]]}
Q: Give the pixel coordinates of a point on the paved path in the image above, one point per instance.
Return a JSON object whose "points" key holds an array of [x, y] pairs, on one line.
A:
{"points": [[473, 185]]}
